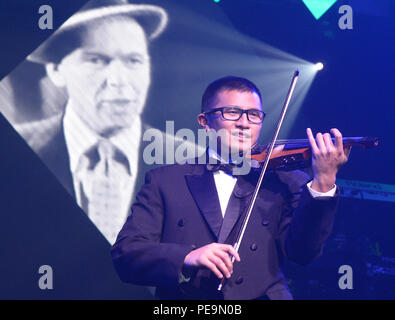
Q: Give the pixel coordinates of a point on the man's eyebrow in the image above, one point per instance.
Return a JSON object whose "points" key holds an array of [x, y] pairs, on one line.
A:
{"points": [[87, 54], [134, 55], [95, 54]]}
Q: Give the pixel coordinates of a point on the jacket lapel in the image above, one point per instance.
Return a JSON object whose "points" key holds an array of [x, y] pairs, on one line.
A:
{"points": [[237, 206], [202, 187], [56, 157]]}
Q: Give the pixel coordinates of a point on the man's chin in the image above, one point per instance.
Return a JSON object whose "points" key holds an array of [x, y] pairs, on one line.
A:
{"points": [[117, 121], [237, 151], [240, 148], [112, 130]]}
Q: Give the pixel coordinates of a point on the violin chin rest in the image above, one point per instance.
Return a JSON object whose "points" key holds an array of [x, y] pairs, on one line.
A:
{"points": [[255, 163]]}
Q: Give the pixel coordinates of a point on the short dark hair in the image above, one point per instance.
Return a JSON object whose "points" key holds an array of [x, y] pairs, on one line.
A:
{"points": [[227, 83]]}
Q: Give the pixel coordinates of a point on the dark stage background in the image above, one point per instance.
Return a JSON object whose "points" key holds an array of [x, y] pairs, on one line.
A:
{"points": [[263, 40]]}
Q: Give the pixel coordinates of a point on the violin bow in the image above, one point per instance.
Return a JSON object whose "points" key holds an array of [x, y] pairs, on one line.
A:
{"points": [[240, 235]]}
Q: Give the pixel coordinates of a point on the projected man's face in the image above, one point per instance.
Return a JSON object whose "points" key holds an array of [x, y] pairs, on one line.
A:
{"points": [[240, 134], [108, 77]]}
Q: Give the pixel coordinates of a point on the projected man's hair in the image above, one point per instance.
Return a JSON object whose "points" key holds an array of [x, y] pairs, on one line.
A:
{"points": [[226, 84]]}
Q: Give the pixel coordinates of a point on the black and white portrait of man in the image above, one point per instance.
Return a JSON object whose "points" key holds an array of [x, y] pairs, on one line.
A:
{"points": [[100, 58]]}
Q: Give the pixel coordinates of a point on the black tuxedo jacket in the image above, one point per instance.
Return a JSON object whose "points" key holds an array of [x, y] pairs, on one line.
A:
{"points": [[178, 209]]}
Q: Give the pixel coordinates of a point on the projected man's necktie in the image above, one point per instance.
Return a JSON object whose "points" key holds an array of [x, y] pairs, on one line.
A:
{"points": [[102, 189]]}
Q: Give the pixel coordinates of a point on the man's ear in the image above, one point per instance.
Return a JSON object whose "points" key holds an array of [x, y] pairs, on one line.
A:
{"points": [[54, 74], [203, 121]]}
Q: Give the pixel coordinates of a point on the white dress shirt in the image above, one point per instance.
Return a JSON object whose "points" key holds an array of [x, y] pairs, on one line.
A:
{"points": [[80, 138]]}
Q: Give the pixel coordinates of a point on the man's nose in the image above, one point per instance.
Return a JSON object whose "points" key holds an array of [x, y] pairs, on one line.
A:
{"points": [[117, 73], [243, 121]]}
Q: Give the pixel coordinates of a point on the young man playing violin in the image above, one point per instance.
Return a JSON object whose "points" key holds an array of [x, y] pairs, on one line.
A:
{"points": [[186, 217]]}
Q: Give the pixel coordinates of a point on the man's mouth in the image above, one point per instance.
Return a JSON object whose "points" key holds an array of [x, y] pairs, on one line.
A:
{"points": [[120, 101], [119, 104], [241, 135]]}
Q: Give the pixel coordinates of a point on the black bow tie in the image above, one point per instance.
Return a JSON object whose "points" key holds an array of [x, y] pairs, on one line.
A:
{"points": [[225, 167]]}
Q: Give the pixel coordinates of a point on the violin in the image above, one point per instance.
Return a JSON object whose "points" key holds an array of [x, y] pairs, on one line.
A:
{"points": [[296, 153]]}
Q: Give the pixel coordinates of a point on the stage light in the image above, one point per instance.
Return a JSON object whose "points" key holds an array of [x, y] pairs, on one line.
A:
{"points": [[319, 66], [318, 7], [229, 52]]}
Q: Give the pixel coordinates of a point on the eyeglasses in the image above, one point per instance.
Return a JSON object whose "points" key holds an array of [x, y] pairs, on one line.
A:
{"points": [[234, 113]]}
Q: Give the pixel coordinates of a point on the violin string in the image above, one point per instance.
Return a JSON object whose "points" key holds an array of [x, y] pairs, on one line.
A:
{"points": [[305, 142]]}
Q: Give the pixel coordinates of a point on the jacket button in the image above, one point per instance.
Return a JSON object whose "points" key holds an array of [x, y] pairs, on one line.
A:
{"points": [[253, 247], [180, 223], [265, 222], [239, 280]]}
